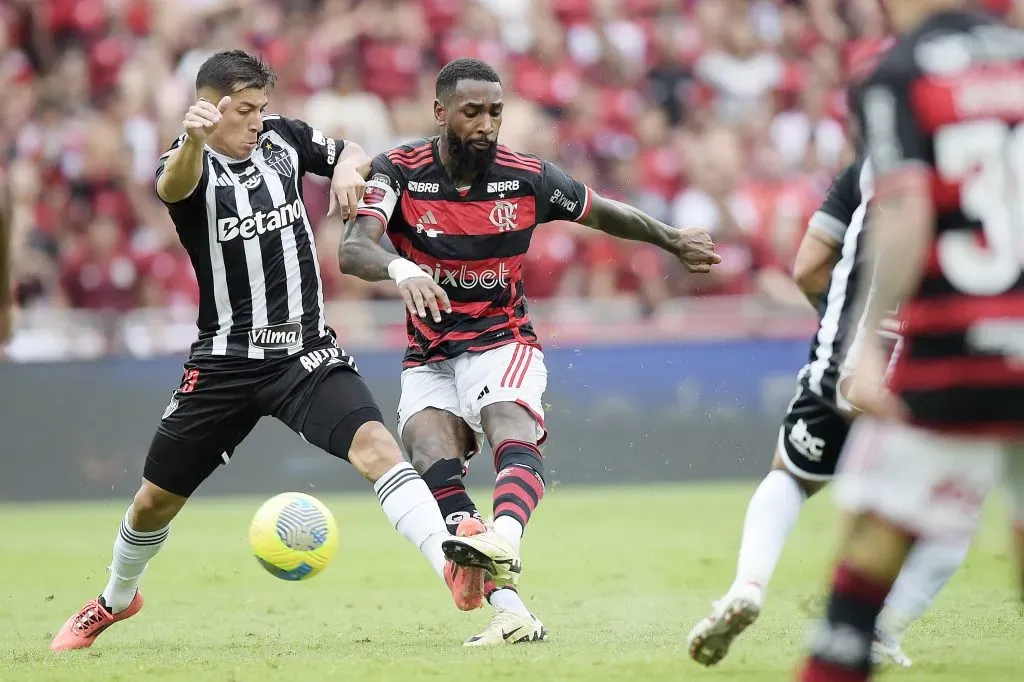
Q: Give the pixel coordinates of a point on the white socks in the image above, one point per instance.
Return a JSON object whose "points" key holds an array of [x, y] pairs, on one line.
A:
{"points": [[926, 571], [510, 529], [505, 598], [413, 512], [771, 515], [132, 551], [509, 600]]}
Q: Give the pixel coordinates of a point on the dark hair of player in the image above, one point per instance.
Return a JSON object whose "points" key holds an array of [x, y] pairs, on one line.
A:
{"points": [[233, 70], [462, 69]]}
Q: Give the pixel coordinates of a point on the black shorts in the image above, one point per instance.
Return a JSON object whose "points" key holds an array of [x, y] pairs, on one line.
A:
{"points": [[318, 394], [812, 437]]}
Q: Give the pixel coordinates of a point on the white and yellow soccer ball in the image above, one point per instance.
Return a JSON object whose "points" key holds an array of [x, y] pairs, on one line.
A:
{"points": [[294, 536]]}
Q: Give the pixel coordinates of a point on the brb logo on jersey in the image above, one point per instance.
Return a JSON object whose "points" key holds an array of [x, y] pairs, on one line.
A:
{"points": [[503, 215], [503, 186], [464, 278], [259, 222]]}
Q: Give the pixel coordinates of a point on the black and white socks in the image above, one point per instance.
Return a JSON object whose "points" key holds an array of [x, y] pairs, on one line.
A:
{"points": [[413, 512], [132, 551]]}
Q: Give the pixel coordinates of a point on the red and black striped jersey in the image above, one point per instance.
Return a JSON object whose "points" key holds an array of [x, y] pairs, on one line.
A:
{"points": [[472, 242], [948, 100]]}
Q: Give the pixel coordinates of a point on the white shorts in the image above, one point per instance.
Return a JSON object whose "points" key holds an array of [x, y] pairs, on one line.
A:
{"points": [[931, 484], [464, 385]]}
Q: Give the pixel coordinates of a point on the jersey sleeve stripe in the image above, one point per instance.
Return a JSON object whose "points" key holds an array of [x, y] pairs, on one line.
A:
{"points": [[587, 203], [415, 151], [409, 158], [413, 165], [518, 166], [504, 151]]}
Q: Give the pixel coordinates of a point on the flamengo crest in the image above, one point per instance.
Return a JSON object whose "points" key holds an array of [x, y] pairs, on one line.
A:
{"points": [[503, 215]]}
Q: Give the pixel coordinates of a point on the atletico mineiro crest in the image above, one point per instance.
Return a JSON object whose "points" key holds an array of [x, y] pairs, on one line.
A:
{"points": [[277, 158]]}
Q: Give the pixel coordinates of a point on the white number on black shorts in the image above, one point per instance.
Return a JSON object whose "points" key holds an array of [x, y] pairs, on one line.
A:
{"points": [[987, 158]]}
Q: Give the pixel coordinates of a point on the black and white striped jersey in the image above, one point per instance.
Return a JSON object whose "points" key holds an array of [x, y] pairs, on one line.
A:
{"points": [[842, 217], [251, 243]]}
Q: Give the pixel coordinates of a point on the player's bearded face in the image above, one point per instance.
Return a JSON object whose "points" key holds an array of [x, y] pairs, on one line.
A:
{"points": [[472, 156]]}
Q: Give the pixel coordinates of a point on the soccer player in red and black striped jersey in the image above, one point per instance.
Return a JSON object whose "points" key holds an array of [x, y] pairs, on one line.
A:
{"points": [[943, 120], [460, 209]]}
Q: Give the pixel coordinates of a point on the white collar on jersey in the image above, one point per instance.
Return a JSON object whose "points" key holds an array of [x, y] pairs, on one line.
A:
{"points": [[224, 158]]}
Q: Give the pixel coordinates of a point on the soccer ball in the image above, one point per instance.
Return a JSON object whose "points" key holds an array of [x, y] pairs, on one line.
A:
{"points": [[294, 536]]}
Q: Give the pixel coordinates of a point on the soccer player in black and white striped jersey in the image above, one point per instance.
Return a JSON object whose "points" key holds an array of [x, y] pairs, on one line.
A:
{"points": [[231, 183]]}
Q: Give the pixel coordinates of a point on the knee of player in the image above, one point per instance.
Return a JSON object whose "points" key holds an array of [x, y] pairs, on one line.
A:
{"points": [[153, 507], [424, 455], [374, 451]]}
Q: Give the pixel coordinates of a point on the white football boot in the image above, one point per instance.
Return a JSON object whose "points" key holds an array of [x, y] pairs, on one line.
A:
{"points": [[886, 650], [509, 627], [709, 640], [489, 551]]}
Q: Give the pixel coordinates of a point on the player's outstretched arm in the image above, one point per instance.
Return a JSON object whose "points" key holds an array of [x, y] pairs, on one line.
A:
{"points": [[360, 254], [692, 246]]}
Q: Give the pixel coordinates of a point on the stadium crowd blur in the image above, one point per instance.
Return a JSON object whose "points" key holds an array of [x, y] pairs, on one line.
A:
{"points": [[727, 114]]}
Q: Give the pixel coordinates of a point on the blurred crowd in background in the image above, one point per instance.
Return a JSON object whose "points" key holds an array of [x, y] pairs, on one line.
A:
{"points": [[726, 114]]}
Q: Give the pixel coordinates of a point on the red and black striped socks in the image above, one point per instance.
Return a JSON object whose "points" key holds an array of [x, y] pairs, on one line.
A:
{"points": [[518, 488]]}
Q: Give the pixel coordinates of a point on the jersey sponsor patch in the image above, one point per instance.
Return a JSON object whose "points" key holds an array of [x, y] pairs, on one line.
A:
{"points": [[259, 222], [565, 202], [428, 187], [503, 186], [278, 336]]}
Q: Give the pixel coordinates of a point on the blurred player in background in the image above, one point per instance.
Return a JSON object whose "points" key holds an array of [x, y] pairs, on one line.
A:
{"points": [[461, 209], [942, 122], [231, 183], [813, 433]]}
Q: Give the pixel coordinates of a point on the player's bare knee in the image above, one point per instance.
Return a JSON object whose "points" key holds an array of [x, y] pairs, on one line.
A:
{"points": [[153, 507], [508, 421], [374, 451], [425, 455], [433, 435]]}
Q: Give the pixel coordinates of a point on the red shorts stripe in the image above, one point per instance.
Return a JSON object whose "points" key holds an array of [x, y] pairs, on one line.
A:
{"points": [[508, 370], [521, 357], [526, 366]]}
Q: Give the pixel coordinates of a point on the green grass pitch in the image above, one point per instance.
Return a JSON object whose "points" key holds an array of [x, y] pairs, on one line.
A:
{"points": [[618, 576]]}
